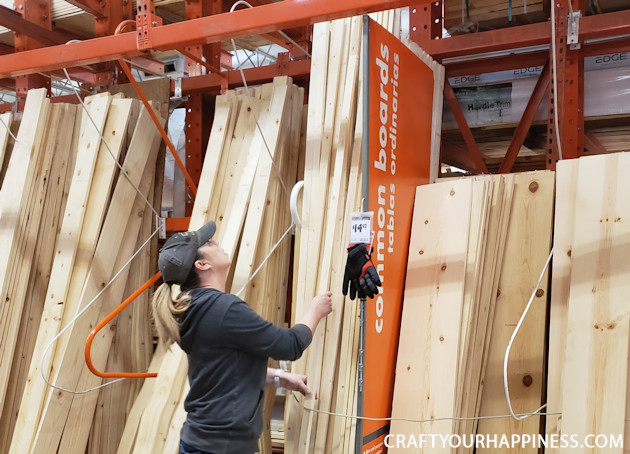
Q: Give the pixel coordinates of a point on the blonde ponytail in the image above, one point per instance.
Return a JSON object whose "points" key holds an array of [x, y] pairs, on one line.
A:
{"points": [[167, 311]]}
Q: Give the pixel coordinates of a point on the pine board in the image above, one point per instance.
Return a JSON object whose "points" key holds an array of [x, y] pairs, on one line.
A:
{"points": [[57, 145], [598, 318], [271, 123], [335, 237], [566, 188], [14, 202], [225, 109], [323, 204], [432, 306], [314, 128], [526, 250], [134, 416], [82, 409], [82, 195], [57, 406], [472, 382]]}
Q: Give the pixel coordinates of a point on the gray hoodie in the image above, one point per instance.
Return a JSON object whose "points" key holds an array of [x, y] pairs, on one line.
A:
{"points": [[228, 345]]}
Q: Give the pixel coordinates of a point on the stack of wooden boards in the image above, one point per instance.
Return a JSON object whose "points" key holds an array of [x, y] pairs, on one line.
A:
{"points": [[245, 173], [70, 220], [332, 189], [476, 251], [590, 315], [478, 15]]}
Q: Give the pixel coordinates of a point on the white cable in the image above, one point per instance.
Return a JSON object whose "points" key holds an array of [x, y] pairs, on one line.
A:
{"points": [[88, 305], [243, 2], [554, 77], [509, 346], [273, 162], [453, 418], [76, 317], [294, 43], [8, 129], [251, 278], [111, 153]]}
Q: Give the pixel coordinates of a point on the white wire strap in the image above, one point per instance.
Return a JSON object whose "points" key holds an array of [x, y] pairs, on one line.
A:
{"points": [[88, 305], [8, 129], [453, 418], [76, 317], [509, 346], [111, 153], [240, 69], [273, 249]]}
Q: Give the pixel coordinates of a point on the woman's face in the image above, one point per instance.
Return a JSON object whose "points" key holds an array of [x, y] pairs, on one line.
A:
{"points": [[215, 255]]}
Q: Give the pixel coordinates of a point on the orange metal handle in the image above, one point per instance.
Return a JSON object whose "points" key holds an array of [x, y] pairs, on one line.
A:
{"points": [[104, 322], [145, 101], [156, 276]]}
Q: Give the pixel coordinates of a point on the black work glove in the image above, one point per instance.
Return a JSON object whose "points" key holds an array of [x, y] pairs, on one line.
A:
{"points": [[360, 276]]}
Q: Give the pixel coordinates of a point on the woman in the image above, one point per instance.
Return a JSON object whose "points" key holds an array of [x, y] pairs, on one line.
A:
{"points": [[227, 345]]}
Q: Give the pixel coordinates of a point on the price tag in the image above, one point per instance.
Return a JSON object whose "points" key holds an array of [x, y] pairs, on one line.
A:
{"points": [[361, 227]]}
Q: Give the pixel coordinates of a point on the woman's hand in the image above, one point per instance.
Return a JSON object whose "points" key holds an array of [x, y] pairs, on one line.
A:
{"points": [[319, 308], [322, 304], [294, 382]]}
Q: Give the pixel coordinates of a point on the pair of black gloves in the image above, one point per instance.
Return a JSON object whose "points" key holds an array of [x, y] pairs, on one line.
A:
{"points": [[360, 277]]}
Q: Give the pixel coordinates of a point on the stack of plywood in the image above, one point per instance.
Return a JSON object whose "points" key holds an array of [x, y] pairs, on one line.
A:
{"points": [[245, 173], [477, 248], [477, 15], [590, 316], [75, 225]]}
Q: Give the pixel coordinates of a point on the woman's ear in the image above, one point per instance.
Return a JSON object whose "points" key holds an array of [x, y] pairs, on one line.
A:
{"points": [[202, 265]]}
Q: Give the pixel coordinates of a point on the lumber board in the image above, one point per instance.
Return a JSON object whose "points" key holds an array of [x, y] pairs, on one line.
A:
{"points": [[347, 356], [128, 437], [171, 445], [272, 280], [322, 205], [88, 218], [473, 377], [271, 123], [566, 188], [494, 290], [335, 237], [57, 144], [239, 173], [129, 351], [224, 113], [14, 195], [57, 405], [82, 409], [526, 250], [152, 432], [480, 207], [314, 130], [76, 238], [432, 307], [598, 318]]}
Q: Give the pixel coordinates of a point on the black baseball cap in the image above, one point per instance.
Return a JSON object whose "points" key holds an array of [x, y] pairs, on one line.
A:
{"points": [[177, 257]]}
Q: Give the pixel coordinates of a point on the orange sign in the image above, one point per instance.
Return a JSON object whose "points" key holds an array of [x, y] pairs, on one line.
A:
{"points": [[399, 91]]}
